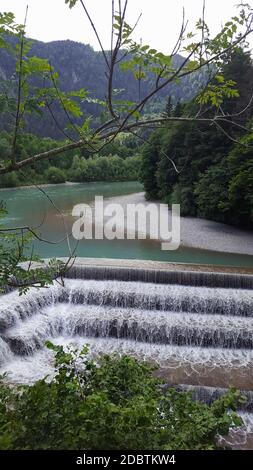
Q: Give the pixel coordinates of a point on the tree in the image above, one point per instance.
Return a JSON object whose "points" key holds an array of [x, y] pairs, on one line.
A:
{"points": [[224, 193], [203, 177], [169, 108], [150, 157], [56, 175]]}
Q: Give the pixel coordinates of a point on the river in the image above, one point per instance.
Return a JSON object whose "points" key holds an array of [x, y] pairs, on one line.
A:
{"points": [[29, 206]]}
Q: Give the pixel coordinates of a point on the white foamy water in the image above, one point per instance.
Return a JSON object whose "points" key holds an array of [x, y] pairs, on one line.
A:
{"points": [[173, 325], [128, 294], [5, 352], [27, 369], [141, 325]]}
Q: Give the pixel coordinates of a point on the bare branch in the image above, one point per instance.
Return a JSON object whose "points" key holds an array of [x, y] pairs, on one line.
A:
{"points": [[238, 142], [244, 109], [59, 212], [177, 46], [56, 122], [20, 77], [41, 156], [112, 32], [96, 33], [114, 57], [31, 230], [61, 101]]}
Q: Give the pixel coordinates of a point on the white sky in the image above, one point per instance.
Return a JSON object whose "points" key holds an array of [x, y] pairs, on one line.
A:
{"points": [[50, 20]]}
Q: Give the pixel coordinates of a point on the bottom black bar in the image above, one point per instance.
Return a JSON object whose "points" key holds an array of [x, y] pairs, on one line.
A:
{"points": [[112, 459]]}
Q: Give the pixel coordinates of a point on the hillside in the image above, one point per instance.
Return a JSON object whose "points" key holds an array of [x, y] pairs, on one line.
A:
{"points": [[79, 66]]}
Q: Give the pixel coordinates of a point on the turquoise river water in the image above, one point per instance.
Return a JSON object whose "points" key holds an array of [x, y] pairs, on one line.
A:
{"points": [[29, 206]]}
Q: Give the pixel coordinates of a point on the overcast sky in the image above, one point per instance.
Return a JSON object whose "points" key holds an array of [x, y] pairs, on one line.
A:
{"points": [[50, 20]]}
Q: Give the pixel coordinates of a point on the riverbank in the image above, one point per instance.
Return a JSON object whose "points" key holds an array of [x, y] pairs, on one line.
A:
{"points": [[199, 233]]}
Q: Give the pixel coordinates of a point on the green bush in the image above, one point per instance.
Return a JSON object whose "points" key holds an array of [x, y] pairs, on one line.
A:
{"points": [[55, 175], [107, 168], [116, 403], [10, 180], [184, 197]]}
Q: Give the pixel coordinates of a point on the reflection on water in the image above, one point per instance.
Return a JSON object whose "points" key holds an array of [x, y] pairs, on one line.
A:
{"points": [[29, 206]]}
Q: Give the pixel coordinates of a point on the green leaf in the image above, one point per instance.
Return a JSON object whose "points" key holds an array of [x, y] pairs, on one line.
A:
{"points": [[71, 3]]}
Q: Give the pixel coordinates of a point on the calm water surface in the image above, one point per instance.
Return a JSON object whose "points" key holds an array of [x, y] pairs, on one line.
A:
{"points": [[28, 206]]}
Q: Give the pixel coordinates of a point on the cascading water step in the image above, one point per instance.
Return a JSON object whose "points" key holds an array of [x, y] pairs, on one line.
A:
{"points": [[198, 335], [5, 352], [14, 307], [157, 274], [177, 364], [159, 297], [127, 294], [131, 324]]}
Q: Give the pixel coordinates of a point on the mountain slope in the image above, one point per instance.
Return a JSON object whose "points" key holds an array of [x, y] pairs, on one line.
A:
{"points": [[79, 66]]}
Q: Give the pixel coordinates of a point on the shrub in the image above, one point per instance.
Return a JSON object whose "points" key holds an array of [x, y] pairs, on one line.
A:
{"points": [[10, 180], [116, 403], [55, 175]]}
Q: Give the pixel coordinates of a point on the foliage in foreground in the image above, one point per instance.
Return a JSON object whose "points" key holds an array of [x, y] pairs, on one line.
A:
{"points": [[116, 403]]}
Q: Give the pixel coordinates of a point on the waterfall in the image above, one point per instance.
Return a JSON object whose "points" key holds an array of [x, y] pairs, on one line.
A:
{"points": [[15, 307], [174, 298], [181, 321], [196, 327], [155, 297], [5, 352], [148, 326]]}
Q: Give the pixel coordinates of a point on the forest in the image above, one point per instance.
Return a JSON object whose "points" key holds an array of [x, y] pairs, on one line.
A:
{"points": [[120, 161], [214, 177]]}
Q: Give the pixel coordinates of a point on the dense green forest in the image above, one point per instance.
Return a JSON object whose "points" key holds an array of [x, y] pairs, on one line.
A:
{"points": [[215, 166], [118, 161]]}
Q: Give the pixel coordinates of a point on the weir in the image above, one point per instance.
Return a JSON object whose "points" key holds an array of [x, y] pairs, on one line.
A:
{"points": [[162, 276], [197, 327], [178, 308]]}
